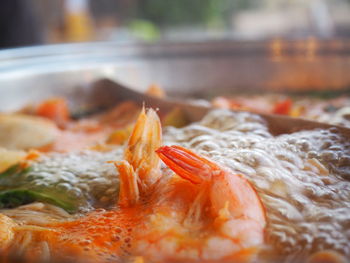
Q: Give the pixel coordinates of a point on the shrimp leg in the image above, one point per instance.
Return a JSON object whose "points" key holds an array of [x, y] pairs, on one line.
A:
{"points": [[140, 167]]}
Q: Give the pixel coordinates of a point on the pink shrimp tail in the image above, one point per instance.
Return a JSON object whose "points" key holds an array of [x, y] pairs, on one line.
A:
{"points": [[188, 164], [244, 199]]}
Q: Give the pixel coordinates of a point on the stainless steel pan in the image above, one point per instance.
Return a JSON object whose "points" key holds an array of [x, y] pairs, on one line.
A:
{"points": [[182, 69]]}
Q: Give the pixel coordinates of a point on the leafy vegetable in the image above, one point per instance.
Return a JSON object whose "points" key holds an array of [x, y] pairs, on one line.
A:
{"points": [[17, 197], [18, 186], [13, 170]]}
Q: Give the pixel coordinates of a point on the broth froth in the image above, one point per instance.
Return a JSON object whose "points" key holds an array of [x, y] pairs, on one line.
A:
{"points": [[302, 178]]}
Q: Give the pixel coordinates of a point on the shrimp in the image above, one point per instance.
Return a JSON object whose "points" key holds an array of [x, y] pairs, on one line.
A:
{"points": [[208, 214], [200, 213]]}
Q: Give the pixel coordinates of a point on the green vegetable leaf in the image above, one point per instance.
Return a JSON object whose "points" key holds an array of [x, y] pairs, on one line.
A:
{"points": [[19, 186], [14, 170], [16, 197]]}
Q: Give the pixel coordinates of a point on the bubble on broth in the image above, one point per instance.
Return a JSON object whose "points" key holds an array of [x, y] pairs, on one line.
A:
{"points": [[302, 178]]}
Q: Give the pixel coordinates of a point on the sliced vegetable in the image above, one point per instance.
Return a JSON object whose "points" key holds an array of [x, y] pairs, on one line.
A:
{"points": [[283, 107], [19, 185], [55, 109], [22, 132], [10, 157], [14, 170], [17, 197]]}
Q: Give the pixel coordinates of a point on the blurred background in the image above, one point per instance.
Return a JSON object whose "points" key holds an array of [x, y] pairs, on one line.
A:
{"points": [[32, 22]]}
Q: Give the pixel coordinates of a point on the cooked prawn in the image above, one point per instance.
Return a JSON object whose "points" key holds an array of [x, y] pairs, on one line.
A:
{"points": [[203, 212], [208, 213]]}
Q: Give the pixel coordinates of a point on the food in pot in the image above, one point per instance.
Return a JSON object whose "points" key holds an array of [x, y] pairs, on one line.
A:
{"points": [[334, 111], [221, 190]]}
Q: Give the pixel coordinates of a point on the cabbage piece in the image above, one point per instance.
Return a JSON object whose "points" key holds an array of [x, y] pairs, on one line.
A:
{"points": [[18, 186], [16, 197]]}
